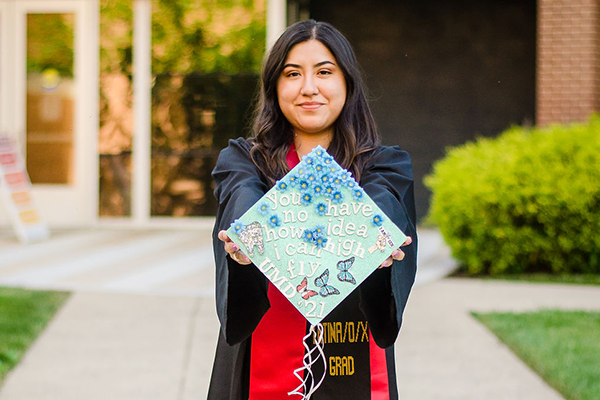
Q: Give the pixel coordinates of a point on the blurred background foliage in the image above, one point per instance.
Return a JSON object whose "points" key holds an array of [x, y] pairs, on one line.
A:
{"points": [[207, 36], [527, 201], [50, 43], [206, 56]]}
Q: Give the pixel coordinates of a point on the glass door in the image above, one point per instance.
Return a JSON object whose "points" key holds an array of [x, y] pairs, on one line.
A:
{"points": [[53, 116], [51, 93]]}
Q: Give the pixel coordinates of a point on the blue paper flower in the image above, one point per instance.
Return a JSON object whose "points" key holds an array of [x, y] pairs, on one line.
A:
{"points": [[281, 185], [319, 151], [377, 220], [293, 179], [315, 236], [325, 178], [264, 208], [329, 190], [345, 175], [308, 235], [357, 193], [301, 172], [303, 185], [337, 181], [351, 184], [318, 190], [327, 159], [319, 231], [337, 197], [311, 178], [237, 226], [319, 168], [333, 168], [321, 208], [336, 186], [308, 160], [306, 199], [320, 241], [274, 220]]}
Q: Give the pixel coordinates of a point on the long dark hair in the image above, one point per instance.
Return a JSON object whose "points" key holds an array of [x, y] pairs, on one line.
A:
{"points": [[355, 133]]}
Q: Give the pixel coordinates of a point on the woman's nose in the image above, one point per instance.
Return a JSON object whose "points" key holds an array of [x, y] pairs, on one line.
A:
{"points": [[309, 86]]}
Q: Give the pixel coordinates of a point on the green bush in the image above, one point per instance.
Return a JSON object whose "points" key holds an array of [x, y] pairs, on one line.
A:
{"points": [[526, 201]]}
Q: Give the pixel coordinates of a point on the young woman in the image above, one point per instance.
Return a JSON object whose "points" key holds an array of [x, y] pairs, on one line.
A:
{"points": [[311, 94]]}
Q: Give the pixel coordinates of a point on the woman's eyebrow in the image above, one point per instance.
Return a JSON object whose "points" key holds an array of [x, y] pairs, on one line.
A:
{"points": [[324, 62], [319, 64]]}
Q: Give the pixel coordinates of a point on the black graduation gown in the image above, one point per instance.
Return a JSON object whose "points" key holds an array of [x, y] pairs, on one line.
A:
{"points": [[241, 290]]}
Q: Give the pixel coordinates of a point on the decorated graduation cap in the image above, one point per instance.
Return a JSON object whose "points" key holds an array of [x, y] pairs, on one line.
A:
{"points": [[316, 235]]}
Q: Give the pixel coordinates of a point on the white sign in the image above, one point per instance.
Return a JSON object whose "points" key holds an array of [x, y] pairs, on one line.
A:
{"points": [[15, 188]]}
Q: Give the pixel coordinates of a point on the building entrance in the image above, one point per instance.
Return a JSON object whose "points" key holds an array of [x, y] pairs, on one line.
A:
{"points": [[49, 103]]}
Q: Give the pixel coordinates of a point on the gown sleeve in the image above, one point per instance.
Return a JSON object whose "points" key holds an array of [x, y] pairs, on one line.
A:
{"points": [[387, 178], [241, 290]]}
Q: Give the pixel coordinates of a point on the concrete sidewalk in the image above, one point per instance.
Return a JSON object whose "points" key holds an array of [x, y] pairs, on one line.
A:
{"points": [[444, 353], [128, 346]]}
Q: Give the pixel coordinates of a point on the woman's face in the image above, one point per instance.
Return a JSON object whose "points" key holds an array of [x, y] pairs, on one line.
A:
{"points": [[311, 90]]}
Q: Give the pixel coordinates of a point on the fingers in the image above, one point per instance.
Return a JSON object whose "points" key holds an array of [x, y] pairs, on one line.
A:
{"points": [[223, 236], [396, 255], [230, 247], [240, 257], [387, 263], [233, 249]]}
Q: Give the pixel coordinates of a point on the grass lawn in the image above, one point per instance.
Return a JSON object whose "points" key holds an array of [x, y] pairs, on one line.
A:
{"points": [[563, 347], [23, 316]]}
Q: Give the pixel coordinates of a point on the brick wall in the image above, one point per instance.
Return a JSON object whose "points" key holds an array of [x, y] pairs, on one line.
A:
{"points": [[568, 60]]}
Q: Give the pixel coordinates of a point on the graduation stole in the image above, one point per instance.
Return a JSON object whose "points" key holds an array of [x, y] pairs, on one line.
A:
{"points": [[316, 235]]}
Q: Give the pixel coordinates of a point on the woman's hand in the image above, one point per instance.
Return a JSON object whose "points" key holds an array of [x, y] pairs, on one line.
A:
{"points": [[396, 254], [233, 250]]}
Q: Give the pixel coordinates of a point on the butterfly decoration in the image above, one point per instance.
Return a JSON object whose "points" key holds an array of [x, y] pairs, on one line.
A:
{"points": [[345, 275], [304, 291], [321, 281]]}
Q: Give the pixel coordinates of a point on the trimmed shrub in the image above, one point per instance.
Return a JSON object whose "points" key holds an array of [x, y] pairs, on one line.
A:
{"points": [[526, 201]]}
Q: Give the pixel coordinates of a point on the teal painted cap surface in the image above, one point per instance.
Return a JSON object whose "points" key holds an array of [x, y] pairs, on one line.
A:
{"points": [[316, 235]]}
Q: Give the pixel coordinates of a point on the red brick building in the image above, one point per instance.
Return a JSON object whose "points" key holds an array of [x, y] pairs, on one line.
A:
{"points": [[568, 60]]}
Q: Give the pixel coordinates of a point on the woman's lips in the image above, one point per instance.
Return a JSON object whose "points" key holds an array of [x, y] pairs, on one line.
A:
{"points": [[311, 105]]}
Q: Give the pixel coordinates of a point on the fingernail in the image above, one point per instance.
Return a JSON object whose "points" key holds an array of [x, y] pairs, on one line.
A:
{"points": [[395, 253], [408, 240], [235, 247], [246, 259]]}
